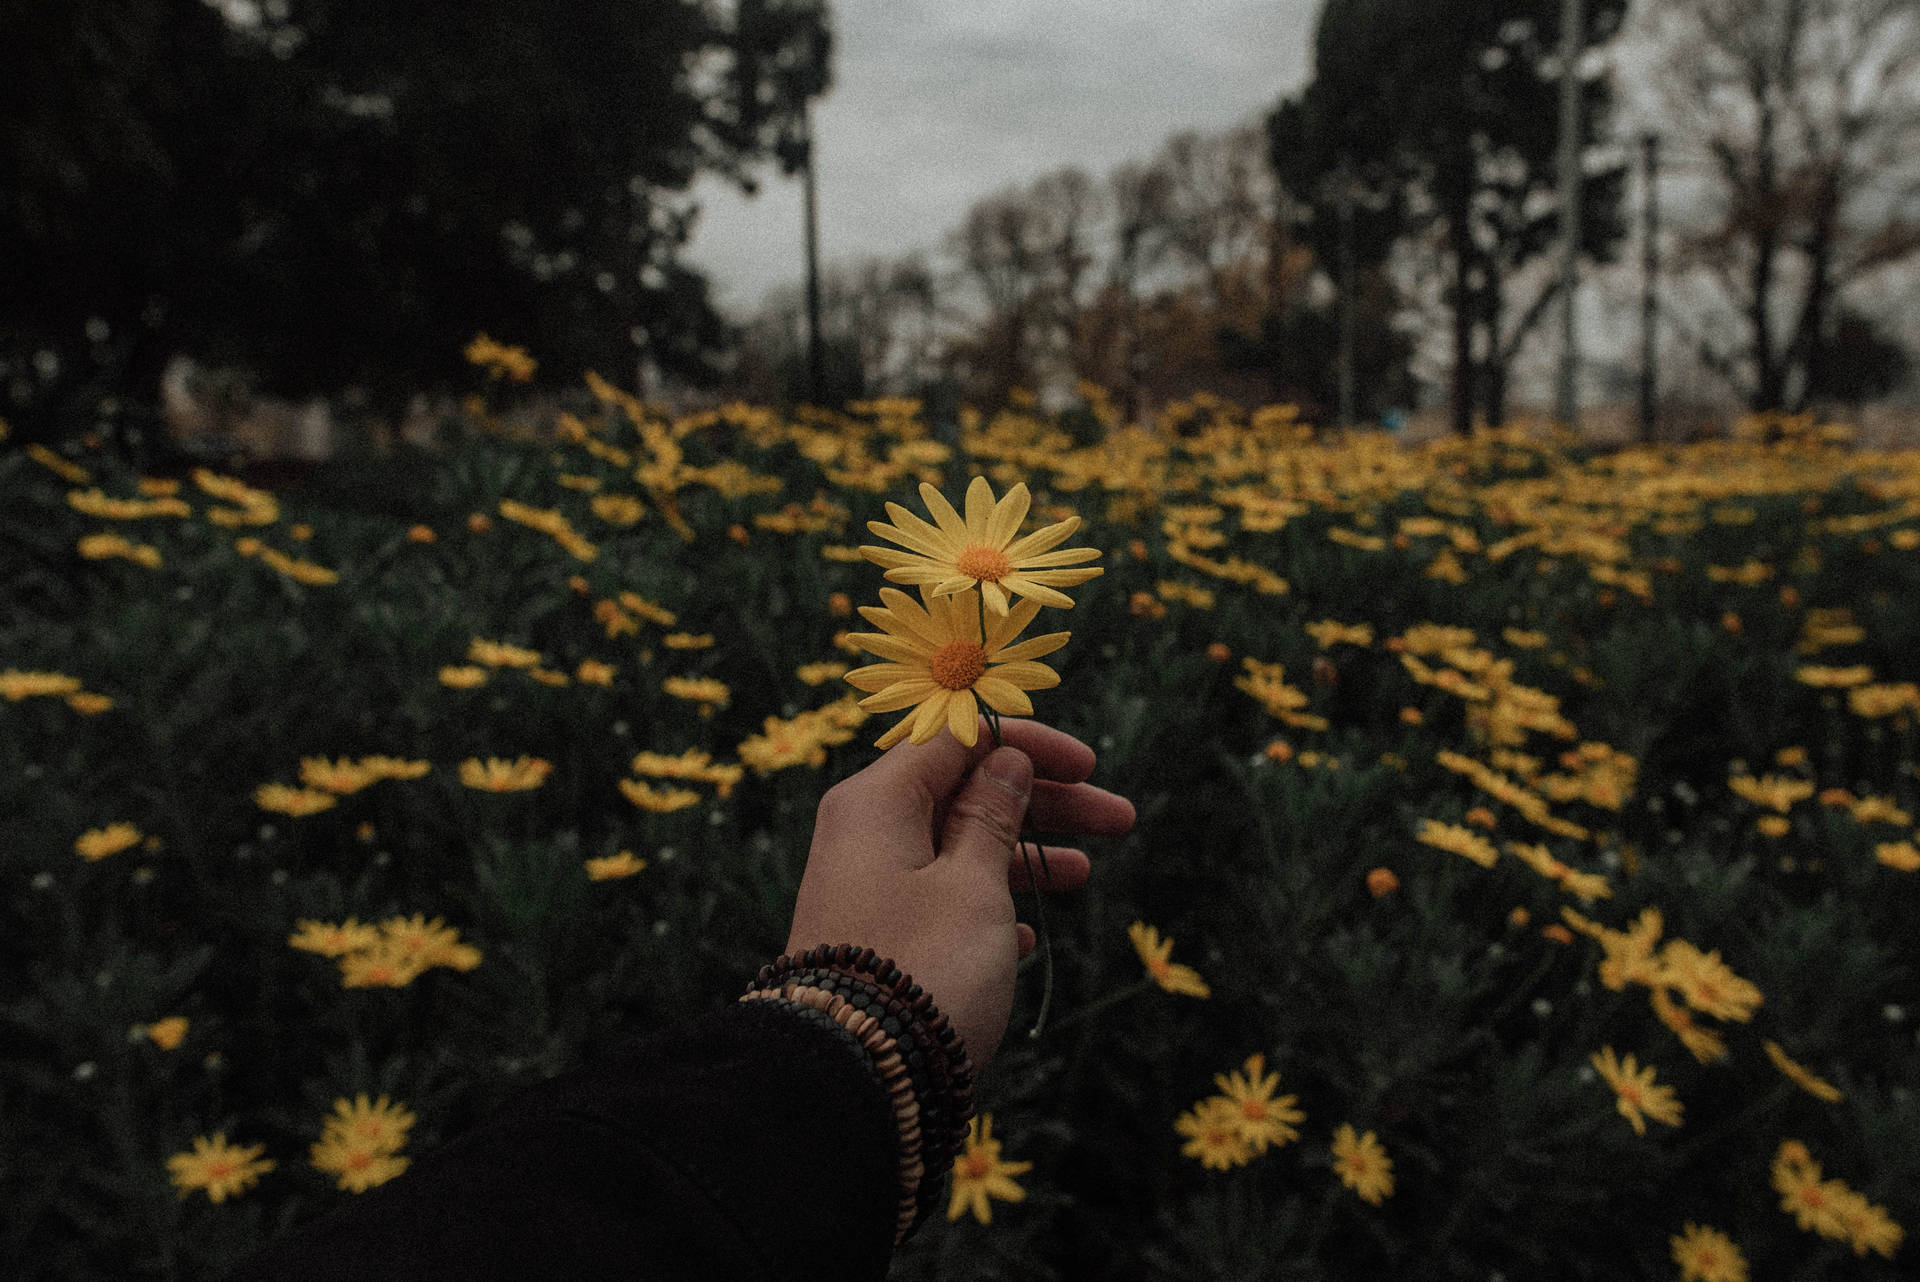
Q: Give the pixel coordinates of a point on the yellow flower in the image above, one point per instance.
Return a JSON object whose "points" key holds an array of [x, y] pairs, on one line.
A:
{"points": [[624, 864], [1362, 1164], [1898, 854], [1329, 632], [594, 672], [1707, 1255], [939, 661], [498, 654], [331, 940], [381, 966], [379, 1125], [500, 360], [428, 943], [818, 673], [359, 1143], [1154, 953], [981, 550], [661, 801], [99, 547], [1262, 1120], [1775, 791], [687, 641], [87, 704], [979, 1173], [1214, 1135], [1635, 1094], [705, 691], [281, 799], [98, 843], [167, 1033], [1703, 1044], [355, 1167], [395, 767], [1705, 982], [1457, 840], [463, 677], [499, 775], [219, 1170], [618, 509], [342, 776], [16, 685], [1800, 1076]]}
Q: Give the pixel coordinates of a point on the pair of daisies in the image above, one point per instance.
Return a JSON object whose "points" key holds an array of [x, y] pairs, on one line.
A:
{"points": [[955, 648]]}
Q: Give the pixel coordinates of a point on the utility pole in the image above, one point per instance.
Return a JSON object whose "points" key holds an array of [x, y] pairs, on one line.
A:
{"points": [[815, 382], [1572, 32], [1650, 274], [1347, 285]]}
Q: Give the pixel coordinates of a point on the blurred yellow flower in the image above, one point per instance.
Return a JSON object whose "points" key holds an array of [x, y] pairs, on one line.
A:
{"points": [[98, 843], [979, 1173], [1362, 1164], [463, 677], [500, 360], [1213, 1132], [427, 943], [343, 776], [1775, 791], [594, 672], [218, 1169], [661, 801], [1800, 1076], [87, 704], [381, 966], [1705, 982], [333, 940], [981, 550], [16, 685], [687, 640], [1154, 953], [609, 867], [815, 674], [1262, 1120], [167, 1033], [707, 692], [1707, 1255], [298, 802], [496, 774], [1457, 840], [498, 654], [359, 1143], [99, 547], [1635, 1094], [1900, 855]]}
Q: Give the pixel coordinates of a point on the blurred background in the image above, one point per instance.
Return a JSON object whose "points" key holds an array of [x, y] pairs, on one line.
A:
{"points": [[273, 225]]}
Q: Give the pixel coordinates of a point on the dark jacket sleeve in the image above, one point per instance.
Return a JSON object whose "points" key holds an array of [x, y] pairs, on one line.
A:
{"points": [[748, 1143]]}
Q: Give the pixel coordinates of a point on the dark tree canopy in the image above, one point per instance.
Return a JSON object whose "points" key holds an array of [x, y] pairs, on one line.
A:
{"points": [[339, 193], [1446, 118]]}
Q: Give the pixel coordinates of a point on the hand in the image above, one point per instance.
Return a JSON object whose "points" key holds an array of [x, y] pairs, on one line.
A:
{"points": [[914, 858]]}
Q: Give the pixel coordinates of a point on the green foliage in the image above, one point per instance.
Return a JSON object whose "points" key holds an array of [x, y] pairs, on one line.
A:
{"points": [[1672, 608]]}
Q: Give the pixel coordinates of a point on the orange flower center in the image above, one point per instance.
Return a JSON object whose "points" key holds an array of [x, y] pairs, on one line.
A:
{"points": [[1253, 1109], [221, 1167], [989, 565], [958, 664], [1159, 969], [977, 1165]]}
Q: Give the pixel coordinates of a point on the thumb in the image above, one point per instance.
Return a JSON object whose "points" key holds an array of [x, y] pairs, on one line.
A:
{"points": [[984, 821]]}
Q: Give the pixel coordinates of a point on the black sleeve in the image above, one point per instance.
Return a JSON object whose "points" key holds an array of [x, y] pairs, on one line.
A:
{"points": [[747, 1143]]}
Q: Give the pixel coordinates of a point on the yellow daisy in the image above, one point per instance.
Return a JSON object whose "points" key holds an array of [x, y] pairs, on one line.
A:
{"points": [[1362, 1164], [1262, 1120], [939, 661], [98, 843], [281, 799], [979, 1174], [333, 940], [607, 868], [497, 775], [1154, 952], [1708, 1255], [981, 550], [1636, 1096], [217, 1168], [1214, 1137], [167, 1033]]}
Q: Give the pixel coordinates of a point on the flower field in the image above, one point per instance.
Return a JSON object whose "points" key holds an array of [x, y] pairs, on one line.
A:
{"points": [[1525, 883]]}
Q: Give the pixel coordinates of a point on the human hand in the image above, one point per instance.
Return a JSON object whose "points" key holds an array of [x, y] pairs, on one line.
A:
{"points": [[914, 858]]}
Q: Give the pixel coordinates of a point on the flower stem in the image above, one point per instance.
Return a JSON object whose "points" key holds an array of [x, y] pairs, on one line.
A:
{"points": [[1039, 903]]}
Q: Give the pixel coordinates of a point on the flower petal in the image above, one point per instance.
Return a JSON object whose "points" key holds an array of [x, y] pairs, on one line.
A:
{"points": [[1003, 696], [901, 694], [1007, 515], [1026, 587], [963, 717], [943, 513], [879, 676], [980, 507], [1049, 536], [1028, 676], [1065, 556], [995, 596], [1031, 648], [932, 715], [1005, 628]]}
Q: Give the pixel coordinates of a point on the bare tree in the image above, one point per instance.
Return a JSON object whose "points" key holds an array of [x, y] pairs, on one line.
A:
{"points": [[1805, 117]]}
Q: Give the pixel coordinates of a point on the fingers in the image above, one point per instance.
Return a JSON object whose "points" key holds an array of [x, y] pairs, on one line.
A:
{"points": [[984, 820], [1027, 939], [1078, 807], [1061, 868]]}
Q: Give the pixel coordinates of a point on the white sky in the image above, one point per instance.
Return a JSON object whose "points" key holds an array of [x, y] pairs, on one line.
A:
{"points": [[935, 105]]}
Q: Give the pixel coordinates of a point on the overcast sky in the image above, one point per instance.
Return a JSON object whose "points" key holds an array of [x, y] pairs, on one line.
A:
{"points": [[936, 104]]}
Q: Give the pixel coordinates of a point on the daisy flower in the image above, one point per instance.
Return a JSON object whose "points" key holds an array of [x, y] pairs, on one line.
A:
{"points": [[1262, 1119], [1636, 1096], [1154, 952], [980, 550], [1362, 1164], [979, 1173], [941, 664], [1214, 1138], [217, 1168], [1708, 1255]]}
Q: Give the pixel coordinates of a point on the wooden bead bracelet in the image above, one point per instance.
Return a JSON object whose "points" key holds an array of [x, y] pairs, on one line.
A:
{"points": [[915, 1049]]}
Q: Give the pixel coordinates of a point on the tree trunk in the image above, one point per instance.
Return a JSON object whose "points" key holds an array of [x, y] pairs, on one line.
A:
{"points": [[1460, 232]]}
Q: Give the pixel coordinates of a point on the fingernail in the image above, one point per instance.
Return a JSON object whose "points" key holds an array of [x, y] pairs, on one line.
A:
{"points": [[1009, 768]]}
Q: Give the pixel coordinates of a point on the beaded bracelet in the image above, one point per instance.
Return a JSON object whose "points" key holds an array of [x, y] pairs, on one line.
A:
{"points": [[915, 1048]]}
